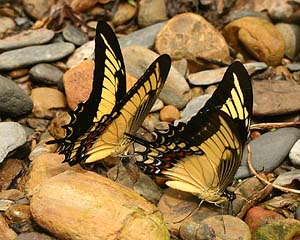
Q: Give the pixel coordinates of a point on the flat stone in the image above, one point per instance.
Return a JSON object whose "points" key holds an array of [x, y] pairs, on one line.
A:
{"points": [[26, 38], [214, 76], [144, 37], [34, 54], [193, 107], [75, 35], [293, 67], [275, 97], [14, 101], [175, 91], [99, 209], [287, 178], [268, 151], [12, 135], [47, 74]]}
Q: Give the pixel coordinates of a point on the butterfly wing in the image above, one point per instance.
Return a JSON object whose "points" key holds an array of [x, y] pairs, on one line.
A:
{"points": [[132, 111], [234, 96], [203, 155], [109, 87]]}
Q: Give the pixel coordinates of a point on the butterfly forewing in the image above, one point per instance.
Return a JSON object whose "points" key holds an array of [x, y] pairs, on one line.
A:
{"points": [[234, 96], [132, 110], [107, 89]]}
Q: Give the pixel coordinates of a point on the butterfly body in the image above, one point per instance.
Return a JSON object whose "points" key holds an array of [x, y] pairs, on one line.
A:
{"points": [[202, 155], [97, 127]]}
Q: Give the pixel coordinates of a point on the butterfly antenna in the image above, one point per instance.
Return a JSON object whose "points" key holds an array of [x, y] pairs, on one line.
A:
{"points": [[191, 213]]}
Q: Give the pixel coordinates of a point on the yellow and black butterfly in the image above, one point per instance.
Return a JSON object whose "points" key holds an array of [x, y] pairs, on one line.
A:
{"points": [[97, 126], [202, 155]]}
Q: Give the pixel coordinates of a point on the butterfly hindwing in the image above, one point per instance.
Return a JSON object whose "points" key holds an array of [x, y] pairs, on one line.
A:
{"points": [[202, 155]]}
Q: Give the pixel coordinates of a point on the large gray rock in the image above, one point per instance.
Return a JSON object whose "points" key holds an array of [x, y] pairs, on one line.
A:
{"points": [[14, 101], [268, 151], [35, 54], [12, 135]]}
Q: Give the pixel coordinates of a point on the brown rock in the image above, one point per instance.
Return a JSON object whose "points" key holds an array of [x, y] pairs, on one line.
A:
{"points": [[45, 100], [169, 113], [56, 124], [18, 73], [81, 5], [18, 213], [11, 194], [257, 37], [44, 167], [283, 71], [210, 89], [189, 36], [90, 206], [124, 13], [6, 23], [197, 91], [37, 8], [176, 206], [258, 216], [5, 232], [78, 83], [42, 147], [235, 228], [151, 12], [9, 170], [275, 97]]}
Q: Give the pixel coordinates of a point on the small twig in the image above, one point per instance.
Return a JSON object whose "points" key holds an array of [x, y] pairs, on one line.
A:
{"points": [[269, 126], [284, 189]]}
